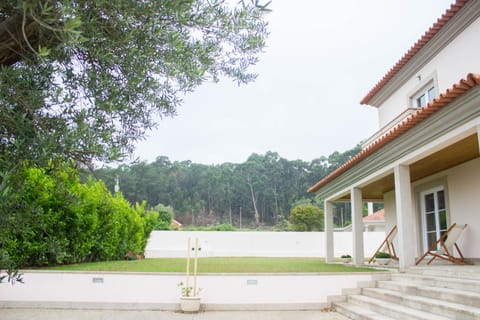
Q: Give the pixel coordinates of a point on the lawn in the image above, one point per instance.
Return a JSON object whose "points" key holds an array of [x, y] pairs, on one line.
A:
{"points": [[218, 265]]}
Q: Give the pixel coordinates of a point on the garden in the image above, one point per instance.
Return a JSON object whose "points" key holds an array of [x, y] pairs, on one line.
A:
{"points": [[218, 265]]}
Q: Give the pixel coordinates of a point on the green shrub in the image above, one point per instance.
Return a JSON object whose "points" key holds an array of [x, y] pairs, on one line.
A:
{"points": [[165, 216], [306, 218], [382, 255], [54, 219]]}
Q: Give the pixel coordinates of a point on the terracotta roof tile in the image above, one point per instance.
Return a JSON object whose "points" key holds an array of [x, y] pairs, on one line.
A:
{"points": [[429, 34], [458, 89], [376, 216]]}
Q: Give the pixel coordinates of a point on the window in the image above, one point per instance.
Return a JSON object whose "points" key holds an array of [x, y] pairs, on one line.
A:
{"points": [[424, 90], [425, 96], [434, 215]]}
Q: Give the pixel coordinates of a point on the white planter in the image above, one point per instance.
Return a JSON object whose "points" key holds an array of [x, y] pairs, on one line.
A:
{"points": [[190, 304], [383, 261], [346, 260]]}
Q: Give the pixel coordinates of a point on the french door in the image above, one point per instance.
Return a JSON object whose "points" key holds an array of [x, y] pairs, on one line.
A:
{"points": [[434, 215]]}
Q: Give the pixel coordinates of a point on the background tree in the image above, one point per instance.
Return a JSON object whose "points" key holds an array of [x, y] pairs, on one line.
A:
{"points": [[307, 218], [165, 216], [213, 194]]}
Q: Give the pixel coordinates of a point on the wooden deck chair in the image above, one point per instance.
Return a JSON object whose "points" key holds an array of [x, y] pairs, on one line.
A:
{"points": [[443, 247], [387, 245]]}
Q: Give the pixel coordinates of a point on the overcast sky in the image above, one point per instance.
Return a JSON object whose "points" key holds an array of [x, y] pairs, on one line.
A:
{"points": [[322, 57]]}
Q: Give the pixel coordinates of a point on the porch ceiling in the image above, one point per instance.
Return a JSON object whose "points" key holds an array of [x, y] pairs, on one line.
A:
{"points": [[453, 155]]}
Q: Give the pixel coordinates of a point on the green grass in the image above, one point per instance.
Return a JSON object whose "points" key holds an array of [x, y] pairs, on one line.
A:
{"points": [[217, 265]]}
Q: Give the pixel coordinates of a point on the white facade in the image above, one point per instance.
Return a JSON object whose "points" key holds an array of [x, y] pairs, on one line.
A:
{"points": [[447, 67]]}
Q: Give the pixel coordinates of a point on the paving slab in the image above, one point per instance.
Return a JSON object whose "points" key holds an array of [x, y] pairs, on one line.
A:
{"points": [[79, 314]]}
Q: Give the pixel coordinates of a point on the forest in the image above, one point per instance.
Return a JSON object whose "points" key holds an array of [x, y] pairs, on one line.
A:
{"points": [[259, 192]]}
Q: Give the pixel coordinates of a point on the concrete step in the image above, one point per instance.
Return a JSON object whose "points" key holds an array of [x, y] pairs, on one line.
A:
{"points": [[356, 312], [450, 270], [391, 309], [471, 285], [444, 294], [430, 305]]}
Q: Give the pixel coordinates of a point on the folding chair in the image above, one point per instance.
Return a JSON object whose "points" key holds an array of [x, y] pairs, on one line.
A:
{"points": [[447, 241], [388, 245]]}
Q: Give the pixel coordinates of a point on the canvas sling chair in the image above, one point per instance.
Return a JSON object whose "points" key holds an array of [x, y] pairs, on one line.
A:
{"points": [[443, 247], [387, 245]]}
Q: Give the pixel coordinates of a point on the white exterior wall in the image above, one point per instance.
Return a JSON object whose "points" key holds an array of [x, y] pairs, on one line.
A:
{"points": [[161, 291], [390, 214], [256, 244], [453, 63], [463, 201]]}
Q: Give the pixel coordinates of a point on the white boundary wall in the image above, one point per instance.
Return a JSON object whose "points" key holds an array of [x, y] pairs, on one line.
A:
{"points": [[151, 291], [156, 291], [255, 244]]}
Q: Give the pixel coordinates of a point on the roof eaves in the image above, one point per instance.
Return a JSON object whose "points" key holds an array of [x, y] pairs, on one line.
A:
{"points": [[427, 36], [458, 89]]}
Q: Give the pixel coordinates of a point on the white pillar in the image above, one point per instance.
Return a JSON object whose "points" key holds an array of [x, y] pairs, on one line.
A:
{"points": [[357, 226], [328, 216], [370, 208], [478, 135], [405, 217]]}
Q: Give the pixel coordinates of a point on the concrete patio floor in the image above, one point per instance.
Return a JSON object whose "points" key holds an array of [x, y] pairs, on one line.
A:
{"points": [[78, 314]]}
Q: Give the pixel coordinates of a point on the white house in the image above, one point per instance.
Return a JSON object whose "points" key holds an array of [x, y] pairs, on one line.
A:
{"points": [[423, 162]]}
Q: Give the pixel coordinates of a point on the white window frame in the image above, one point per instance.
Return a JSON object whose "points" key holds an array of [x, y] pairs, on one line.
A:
{"points": [[426, 92], [424, 192], [423, 88]]}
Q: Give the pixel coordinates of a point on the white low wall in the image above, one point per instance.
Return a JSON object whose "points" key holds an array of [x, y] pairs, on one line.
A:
{"points": [[254, 244], [161, 291]]}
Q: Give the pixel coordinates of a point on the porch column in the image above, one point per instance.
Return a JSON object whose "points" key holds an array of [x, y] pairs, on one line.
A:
{"points": [[405, 217], [478, 135], [328, 216], [357, 226]]}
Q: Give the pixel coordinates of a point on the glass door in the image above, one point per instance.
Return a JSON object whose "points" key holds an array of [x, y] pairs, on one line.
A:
{"points": [[434, 215]]}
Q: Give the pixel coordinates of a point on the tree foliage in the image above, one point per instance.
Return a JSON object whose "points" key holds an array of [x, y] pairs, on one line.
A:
{"points": [[307, 218], [55, 219], [83, 79], [260, 191], [164, 217]]}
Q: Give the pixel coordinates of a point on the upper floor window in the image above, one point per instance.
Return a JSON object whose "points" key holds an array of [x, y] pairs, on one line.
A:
{"points": [[424, 92], [425, 96]]}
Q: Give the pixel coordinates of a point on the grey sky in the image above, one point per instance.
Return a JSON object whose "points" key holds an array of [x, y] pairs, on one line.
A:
{"points": [[321, 58]]}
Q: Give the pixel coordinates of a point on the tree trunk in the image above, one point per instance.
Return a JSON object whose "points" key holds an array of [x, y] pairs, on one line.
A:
{"points": [[254, 201], [240, 217], [275, 194]]}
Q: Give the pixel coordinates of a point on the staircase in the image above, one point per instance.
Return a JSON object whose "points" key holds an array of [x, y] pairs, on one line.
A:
{"points": [[436, 292]]}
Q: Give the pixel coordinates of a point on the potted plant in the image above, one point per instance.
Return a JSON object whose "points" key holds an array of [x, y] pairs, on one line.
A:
{"points": [[383, 258], [346, 258], [190, 297]]}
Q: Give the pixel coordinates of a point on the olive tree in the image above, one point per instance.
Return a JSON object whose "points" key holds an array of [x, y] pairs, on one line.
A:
{"points": [[83, 79]]}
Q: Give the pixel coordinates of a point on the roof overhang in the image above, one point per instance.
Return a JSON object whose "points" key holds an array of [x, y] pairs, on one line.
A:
{"points": [[435, 138], [458, 17]]}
